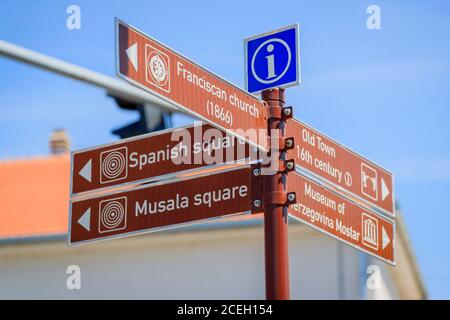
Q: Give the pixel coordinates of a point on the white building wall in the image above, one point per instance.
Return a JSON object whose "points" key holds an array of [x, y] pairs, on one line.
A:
{"points": [[223, 263]]}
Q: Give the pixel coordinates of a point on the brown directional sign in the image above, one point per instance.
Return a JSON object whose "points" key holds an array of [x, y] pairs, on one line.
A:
{"points": [[158, 154], [344, 220], [343, 168], [193, 89], [158, 206]]}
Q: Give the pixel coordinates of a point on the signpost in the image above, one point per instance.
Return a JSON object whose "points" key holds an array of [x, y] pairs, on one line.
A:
{"points": [[272, 59], [340, 166], [153, 156], [342, 219], [335, 190], [272, 64], [193, 89], [275, 217], [155, 206]]}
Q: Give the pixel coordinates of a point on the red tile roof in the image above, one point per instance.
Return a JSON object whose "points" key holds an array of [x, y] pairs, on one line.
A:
{"points": [[34, 196]]}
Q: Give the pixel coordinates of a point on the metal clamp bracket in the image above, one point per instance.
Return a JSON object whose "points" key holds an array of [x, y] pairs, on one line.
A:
{"points": [[283, 144], [257, 188], [288, 166], [279, 198], [277, 112]]}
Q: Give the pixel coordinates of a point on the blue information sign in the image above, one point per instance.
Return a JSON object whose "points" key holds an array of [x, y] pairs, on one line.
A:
{"points": [[272, 59]]}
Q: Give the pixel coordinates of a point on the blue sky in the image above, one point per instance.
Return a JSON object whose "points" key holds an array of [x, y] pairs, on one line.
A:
{"points": [[384, 93]]}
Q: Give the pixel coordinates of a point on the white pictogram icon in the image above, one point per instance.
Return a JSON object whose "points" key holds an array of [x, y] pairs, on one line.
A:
{"points": [[369, 182], [270, 62], [369, 231], [268, 46], [112, 215], [113, 165], [157, 68], [348, 179]]}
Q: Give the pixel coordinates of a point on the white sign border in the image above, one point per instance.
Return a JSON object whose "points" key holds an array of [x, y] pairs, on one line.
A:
{"points": [[342, 191], [180, 107], [298, 81], [389, 220], [156, 229]]}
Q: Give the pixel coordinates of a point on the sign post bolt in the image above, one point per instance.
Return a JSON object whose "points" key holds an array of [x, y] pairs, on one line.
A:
{"points": [[289, 143], [291, 196], [287, 111], [275, 216], [289, 165]]}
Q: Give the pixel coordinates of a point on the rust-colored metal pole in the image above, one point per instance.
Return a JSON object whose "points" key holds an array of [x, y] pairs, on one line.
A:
{"points": [[275, 216]]}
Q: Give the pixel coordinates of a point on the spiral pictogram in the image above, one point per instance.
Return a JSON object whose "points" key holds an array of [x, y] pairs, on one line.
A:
{"points": [[113, 165], [112, 215]]}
